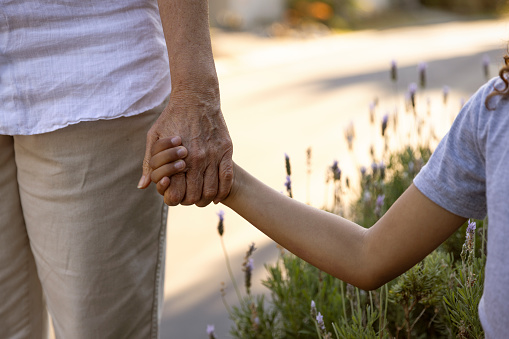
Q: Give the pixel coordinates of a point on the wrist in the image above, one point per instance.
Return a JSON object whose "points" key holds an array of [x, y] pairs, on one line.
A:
{"points": [[236, 189]]}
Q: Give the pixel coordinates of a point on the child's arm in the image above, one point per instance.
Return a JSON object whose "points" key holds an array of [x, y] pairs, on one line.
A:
{"points": [[412, 228]]}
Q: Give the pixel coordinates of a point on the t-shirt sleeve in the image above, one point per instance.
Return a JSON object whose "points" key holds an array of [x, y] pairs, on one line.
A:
{"points": [[455, 175]]}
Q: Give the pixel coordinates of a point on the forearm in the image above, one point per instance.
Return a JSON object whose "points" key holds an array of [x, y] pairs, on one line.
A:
{"points": [[186, 30], [412, 228], [325, 240]]}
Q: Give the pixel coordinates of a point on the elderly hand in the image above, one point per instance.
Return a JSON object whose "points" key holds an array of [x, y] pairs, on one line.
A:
{"points": [[197, 118]]}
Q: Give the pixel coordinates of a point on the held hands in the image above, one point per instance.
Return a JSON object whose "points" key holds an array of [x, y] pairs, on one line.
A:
{"points": [[167, 162], [208, 173]]}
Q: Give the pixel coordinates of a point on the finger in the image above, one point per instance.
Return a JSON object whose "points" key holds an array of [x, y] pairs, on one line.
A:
{"points": [[145, 177], [162, 185], [194, 186], [225, 179], [165, 143], [167, 156], [167, 170], [177, 190], [210, 186]]}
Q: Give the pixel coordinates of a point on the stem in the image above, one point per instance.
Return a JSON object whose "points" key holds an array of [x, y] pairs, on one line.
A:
{"points": [[228, 309], [380, 317], [343, 298], [416, 319], [230, 272], [386, 304]]}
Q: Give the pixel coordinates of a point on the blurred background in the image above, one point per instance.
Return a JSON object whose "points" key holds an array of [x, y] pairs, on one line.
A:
{"points": [[296, 78]]}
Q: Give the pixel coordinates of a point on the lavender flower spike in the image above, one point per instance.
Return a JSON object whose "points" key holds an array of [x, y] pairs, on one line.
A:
{"points": [[220, 226], [287, 163], [288, 183], [363, 170], [471, 229], [319, 320], [210, 331], [336, 171], [385, 120], [250, 265], [313, 309]]}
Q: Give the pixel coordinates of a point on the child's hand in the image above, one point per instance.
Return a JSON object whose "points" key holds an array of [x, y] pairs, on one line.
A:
{"points": [[167, 155]]}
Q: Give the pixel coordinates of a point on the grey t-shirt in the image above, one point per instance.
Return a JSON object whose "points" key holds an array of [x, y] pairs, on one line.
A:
{"points": [[468, 175]]}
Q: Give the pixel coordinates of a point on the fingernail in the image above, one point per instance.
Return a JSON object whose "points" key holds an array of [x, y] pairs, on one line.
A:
{"points": [[141, 183], [175, 140], [179, 164], [181, 152]]}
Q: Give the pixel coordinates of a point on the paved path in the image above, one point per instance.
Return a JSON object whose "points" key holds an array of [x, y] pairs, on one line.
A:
{"points": [[285, 95]]}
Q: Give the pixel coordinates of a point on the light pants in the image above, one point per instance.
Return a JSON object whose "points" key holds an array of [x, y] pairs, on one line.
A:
{"points": [[77, 236]]}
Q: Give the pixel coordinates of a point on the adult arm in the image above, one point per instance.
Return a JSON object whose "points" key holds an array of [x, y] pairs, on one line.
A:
{"points": [[194, 111], [412, 228]]}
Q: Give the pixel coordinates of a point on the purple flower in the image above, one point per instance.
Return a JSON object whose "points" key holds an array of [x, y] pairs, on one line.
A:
{"points": [[363, 170], [379, 204], [313, 309], [374, 167], [288, 185], [220, 226], [445, 92], [319, 320], [470, 230], [367, 196], [336, 171], [210, 331], [250, 265], [385, 120], [287, 163]]}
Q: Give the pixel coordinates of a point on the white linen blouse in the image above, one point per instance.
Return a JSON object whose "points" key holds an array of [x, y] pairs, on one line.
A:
{"points": [[67, 61]]}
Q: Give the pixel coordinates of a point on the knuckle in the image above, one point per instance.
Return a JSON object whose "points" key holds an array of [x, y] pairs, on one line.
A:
{"points": [[208, 194], [197, 157]]}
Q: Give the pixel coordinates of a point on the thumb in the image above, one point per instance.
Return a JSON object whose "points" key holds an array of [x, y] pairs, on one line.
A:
{"points": [[145, 177]]}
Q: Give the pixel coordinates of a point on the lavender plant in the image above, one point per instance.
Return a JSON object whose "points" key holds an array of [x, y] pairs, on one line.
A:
{"points": [[437, 298]]}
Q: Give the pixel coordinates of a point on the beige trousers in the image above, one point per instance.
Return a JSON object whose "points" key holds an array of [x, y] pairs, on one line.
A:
{"points": [[76, 235]]}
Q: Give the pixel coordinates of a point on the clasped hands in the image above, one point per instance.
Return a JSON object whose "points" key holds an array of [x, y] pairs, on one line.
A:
{"points": [[202, 171]]}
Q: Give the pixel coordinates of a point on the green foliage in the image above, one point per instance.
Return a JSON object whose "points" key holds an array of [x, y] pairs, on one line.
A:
{"points": [[254, 320], [437, 298], [417, 297], [294, 284]]}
